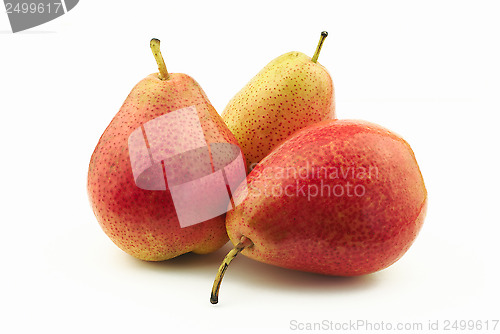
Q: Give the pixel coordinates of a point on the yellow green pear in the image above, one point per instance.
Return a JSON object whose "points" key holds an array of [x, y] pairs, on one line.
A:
{"points": [[288, 94]]}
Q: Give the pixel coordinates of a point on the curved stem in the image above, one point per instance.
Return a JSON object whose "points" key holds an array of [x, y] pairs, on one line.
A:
{"points": [[155, 47], [314, 59], [244, 243]]}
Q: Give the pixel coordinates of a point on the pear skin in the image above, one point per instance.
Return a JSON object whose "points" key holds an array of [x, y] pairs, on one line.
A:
{"points": [[288, 94], [342, 198], [144, 222]]}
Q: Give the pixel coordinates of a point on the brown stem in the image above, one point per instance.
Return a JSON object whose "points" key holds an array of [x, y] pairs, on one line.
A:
{"points": [[155, 47], [244, 243], [314, 59]]}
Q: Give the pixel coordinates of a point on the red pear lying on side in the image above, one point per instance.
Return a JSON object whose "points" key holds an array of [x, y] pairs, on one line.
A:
{"points": [[340, 198]]}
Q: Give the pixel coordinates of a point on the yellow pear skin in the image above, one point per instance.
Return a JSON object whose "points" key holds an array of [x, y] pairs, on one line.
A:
{"points": [[291, 92]]}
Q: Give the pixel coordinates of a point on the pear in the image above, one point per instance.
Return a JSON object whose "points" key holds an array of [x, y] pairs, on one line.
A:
{"points": [[160, 177], [341, 198], [288, 94]]}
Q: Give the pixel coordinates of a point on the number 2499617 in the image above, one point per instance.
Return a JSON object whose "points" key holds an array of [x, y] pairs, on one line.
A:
{"points": [[33, 8]]}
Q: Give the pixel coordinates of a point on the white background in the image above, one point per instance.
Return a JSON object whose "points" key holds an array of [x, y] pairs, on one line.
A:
{"points": [[427, 70]]}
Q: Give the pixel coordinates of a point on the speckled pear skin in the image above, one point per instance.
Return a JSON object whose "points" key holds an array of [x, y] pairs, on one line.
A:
{"points": [[141, 222], [288, 94], [332, 234]]}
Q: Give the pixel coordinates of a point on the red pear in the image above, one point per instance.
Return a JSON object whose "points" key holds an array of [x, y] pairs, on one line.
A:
{"points": [[340, 198], [159, 179]]}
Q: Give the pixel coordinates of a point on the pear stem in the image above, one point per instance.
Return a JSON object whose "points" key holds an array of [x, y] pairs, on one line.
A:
{"points": [[155, 47], [244, 243], [314, 59]]}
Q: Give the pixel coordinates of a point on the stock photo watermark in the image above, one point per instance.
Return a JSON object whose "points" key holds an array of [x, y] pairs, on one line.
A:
{"points": [[25, 14], [311, 181], [486, 325]]}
